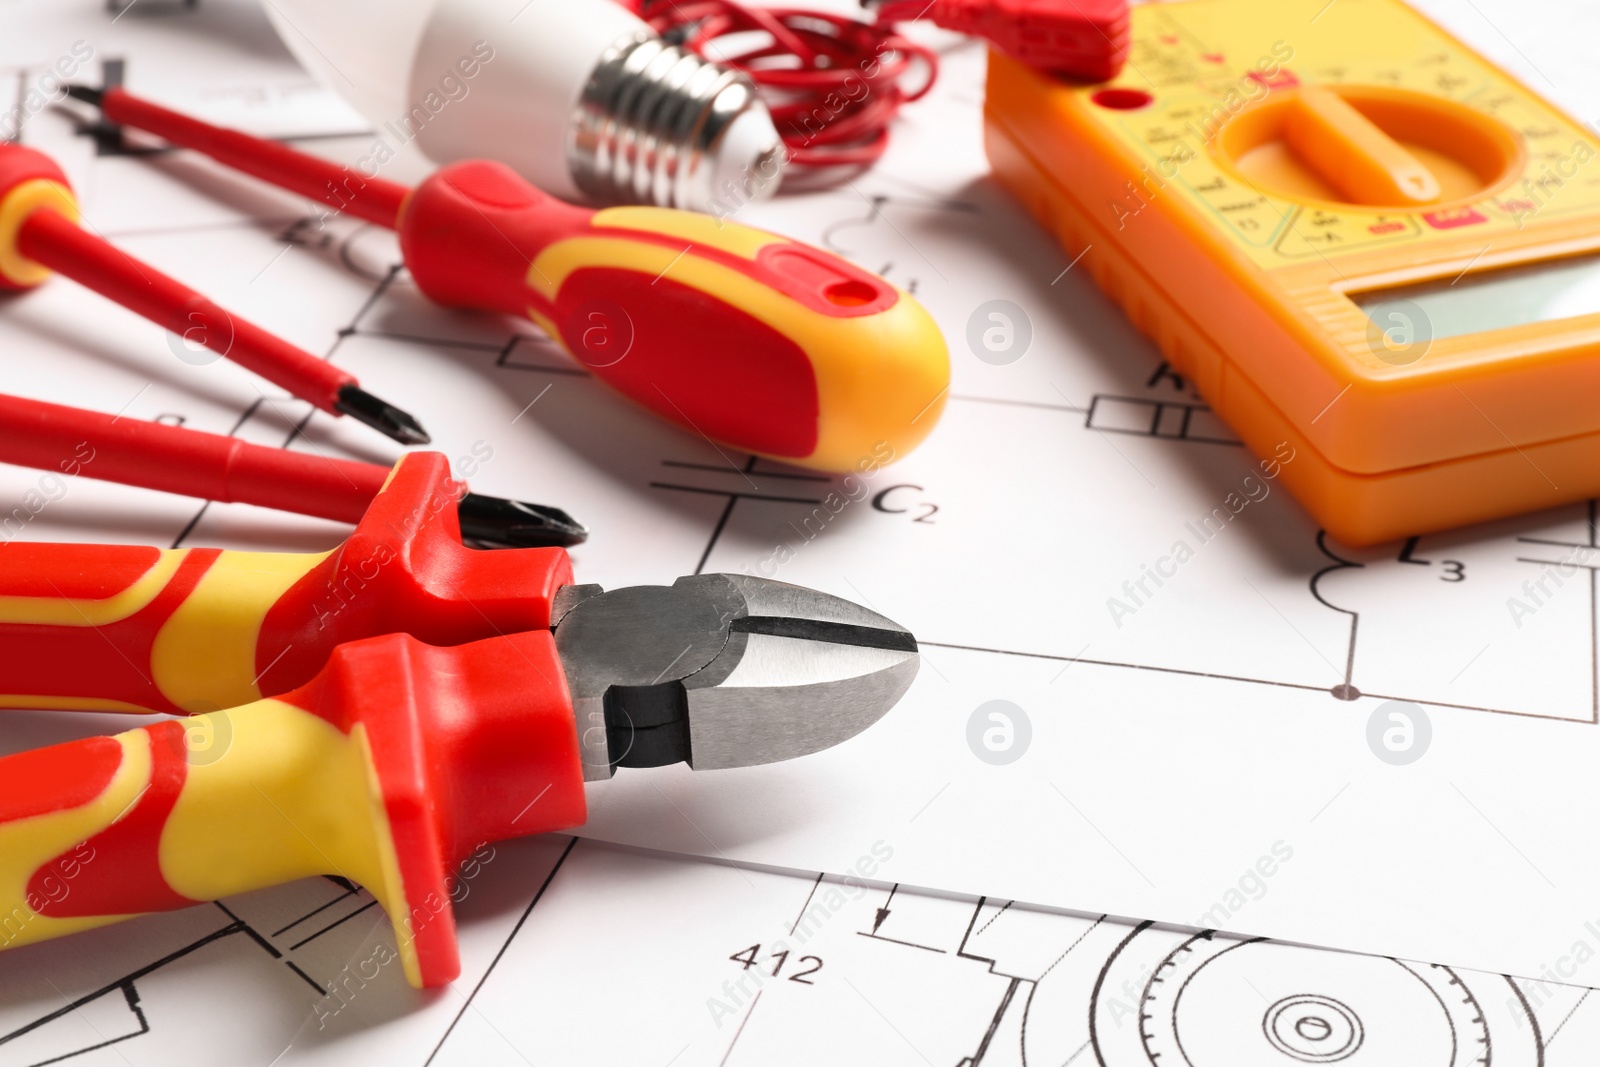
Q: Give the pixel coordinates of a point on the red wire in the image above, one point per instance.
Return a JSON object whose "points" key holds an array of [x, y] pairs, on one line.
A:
{"points": [[832, 83]]}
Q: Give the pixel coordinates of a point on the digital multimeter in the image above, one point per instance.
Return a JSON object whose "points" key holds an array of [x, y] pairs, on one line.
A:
{"points": [[1356, 236]]}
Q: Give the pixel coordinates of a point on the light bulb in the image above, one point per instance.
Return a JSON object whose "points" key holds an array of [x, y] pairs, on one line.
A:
{"points": [[579, 96]]}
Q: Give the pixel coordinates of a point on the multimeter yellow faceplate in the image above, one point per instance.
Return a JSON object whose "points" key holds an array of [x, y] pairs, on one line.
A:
{"points": [[1355, 234]]}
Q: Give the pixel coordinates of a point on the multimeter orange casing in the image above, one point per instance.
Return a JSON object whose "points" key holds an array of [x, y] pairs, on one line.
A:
{"points": [[1245, 263]]}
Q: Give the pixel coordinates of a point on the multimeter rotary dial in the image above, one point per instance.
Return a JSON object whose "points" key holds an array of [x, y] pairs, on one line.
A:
{"points": [[1369, 146]]}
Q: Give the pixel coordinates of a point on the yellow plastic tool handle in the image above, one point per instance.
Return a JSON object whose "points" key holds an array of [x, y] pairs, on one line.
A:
{"points": [[128, 628], [391, 766], [162, 817], [131, 628], [741, 336], [1353, 154]]}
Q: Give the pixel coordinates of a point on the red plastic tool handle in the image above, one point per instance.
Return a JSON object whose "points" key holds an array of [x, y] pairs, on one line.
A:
{"points": [[175, 459], [135, 628], [741, 336], [390, 767], [66, 248]]}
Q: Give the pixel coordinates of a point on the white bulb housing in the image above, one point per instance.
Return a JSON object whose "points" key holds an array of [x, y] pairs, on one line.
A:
{"points": [[579, 96]]}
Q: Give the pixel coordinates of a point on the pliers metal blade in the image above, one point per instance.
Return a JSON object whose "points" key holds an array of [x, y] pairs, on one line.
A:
{"points": [[723, 670]]}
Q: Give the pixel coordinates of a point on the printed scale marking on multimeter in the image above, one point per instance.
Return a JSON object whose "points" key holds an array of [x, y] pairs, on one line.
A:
{"points": [[1359, 238]]}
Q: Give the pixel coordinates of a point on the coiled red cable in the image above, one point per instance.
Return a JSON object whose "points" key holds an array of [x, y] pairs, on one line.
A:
{"points": [[832, 83]]}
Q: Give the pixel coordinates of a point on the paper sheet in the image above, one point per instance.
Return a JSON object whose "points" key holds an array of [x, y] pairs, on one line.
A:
{"points": [[1214, 727], [581, 952]]}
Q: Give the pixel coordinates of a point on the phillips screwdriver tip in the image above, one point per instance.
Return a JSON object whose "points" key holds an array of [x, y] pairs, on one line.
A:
{"points": [[381, 415], [506, 523]]}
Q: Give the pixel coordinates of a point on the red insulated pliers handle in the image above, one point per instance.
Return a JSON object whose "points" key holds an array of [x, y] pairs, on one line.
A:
{"points": [[388, 768], [194, 630]]}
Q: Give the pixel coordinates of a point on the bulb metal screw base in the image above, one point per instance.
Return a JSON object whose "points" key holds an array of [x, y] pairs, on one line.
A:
{"points": [[657, 124]]}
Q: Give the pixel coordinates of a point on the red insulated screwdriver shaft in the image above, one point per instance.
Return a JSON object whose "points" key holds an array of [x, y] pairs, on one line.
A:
{"points": [[371, 199], [50, 237], [175, 459]]}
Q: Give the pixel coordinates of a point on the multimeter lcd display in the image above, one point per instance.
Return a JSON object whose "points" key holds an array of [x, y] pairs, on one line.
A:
{"points": [[1488, 300]]}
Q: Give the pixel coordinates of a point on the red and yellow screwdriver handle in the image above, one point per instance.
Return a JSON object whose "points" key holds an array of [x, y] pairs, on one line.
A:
{"points": [[194, 630], [733, 333], [389, 768], [767, 344], [29, 182]]}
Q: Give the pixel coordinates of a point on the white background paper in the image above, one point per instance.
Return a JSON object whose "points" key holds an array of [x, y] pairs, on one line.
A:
{"points": [[1167, 756]]}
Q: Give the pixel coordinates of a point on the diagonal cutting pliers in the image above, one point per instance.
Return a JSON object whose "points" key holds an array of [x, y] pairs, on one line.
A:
{"points": [[391, 707]]}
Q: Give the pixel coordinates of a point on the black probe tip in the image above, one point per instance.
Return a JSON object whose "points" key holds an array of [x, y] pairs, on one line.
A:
{"points": [[493, 520], [381, 416], [87, 94]]}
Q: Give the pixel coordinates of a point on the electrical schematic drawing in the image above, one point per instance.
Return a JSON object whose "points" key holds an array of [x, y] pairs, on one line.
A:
{"points": [[1019, 985]]}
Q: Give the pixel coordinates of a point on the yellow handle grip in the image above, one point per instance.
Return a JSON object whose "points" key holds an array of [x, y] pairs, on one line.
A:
{"points": [[392, 765], [162, 817], [129, 628], [769, 345]]}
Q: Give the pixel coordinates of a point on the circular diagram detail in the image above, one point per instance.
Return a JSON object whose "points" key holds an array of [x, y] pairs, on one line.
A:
{"points": [[1212, 1000], [1310, 1006], [1313, 1028]]}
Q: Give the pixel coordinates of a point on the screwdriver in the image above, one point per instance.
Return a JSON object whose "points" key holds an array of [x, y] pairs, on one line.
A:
{"points": [[176, 459], [40, 234], [735, 334]]}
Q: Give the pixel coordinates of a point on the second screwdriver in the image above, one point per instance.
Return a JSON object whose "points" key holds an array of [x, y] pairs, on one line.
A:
{"points": [[40, 233]]}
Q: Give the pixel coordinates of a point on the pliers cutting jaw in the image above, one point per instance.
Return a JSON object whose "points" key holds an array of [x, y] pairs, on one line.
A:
{"points": [[723, 670]]}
